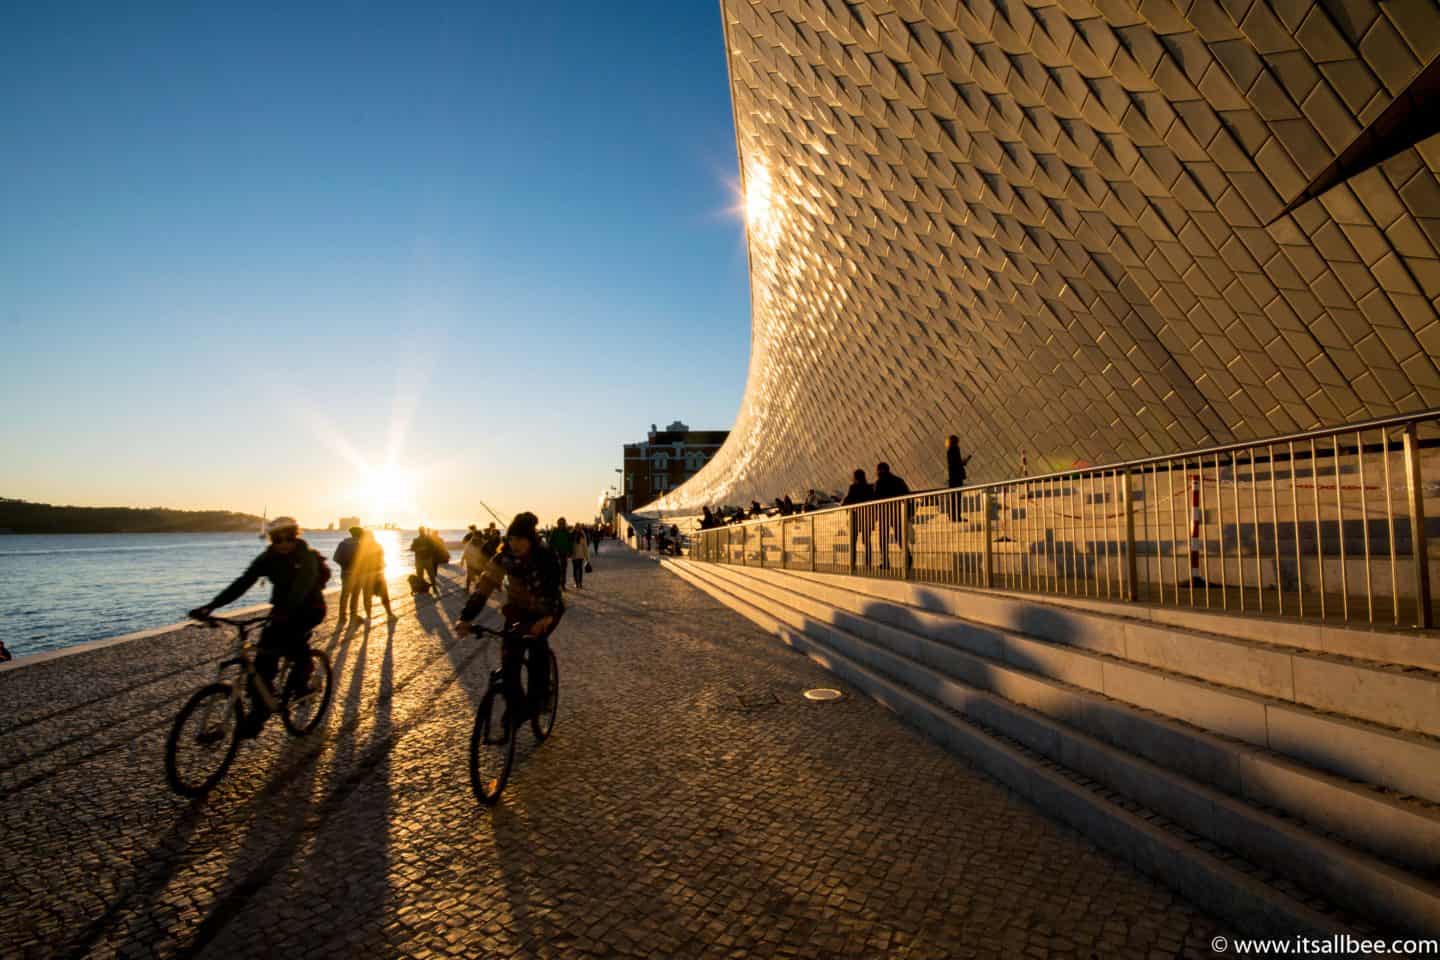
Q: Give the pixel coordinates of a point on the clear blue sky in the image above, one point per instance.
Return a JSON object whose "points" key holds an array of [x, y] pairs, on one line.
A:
{"points": [[238, 238]]}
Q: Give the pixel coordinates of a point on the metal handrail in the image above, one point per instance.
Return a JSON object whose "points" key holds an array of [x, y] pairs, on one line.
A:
{"points": [[1111, 530], [1397, 420]]}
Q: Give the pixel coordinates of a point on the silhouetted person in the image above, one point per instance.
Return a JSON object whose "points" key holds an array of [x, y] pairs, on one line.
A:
{"points": [[860, 492], [490, 540], [562, 542], [707, 519], [5, 654], [344, 557], [439, 554], [787, 506], [954, 475], [423, 546], [579, 555], [889, 485], [954, 462], [420, 547]]}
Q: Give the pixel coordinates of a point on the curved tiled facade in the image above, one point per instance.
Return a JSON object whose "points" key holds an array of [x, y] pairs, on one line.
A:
{"points": [[1054, 228]]}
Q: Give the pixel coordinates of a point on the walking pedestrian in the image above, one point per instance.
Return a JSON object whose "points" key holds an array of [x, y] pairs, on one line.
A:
{"points": [[580, 556], [562, 543], [344, 557]]}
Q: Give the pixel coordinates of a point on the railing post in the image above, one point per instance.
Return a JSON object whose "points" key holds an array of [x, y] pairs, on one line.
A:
{"points": [[989, 552], [1419, 549], [907, 563], [812, 543], [1127, 497], [760, 534], [850, 529]]}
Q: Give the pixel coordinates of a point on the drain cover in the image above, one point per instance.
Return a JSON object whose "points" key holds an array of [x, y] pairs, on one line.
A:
{"points": [[822, 693]]}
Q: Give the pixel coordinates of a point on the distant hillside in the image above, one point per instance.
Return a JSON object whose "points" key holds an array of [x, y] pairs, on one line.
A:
{"points": [[20, 516]]}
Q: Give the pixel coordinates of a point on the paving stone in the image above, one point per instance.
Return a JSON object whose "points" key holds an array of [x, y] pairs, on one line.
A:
{"points": [[658, 821]]}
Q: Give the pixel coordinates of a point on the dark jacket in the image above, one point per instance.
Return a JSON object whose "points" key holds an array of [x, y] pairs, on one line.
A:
{"points": [[561, 542], [890, 486], [956, 466], [422, 547], [532, 584], [858, 493], [346, 553], [296, 584]]}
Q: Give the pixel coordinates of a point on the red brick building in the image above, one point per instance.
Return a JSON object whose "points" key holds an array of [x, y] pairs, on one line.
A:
{"points": [[664, 460]]}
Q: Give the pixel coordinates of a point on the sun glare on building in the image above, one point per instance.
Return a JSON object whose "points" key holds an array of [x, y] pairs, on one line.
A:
{"points": [[762, 215]]}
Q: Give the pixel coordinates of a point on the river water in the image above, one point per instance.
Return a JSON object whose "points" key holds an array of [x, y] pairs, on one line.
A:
{"points": [[60, 590]]}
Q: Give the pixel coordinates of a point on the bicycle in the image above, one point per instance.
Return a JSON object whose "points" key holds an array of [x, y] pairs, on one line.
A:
{"points": [[216, 710], [492, 742]]}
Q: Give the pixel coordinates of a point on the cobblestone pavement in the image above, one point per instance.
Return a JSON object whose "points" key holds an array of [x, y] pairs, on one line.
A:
{"points": [[691, 803]]}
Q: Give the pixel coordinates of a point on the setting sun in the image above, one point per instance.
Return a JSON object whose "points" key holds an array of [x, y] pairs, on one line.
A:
{"points": [[387, 490]]}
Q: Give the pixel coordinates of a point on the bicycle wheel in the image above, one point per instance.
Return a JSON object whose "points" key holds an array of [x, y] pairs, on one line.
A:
{"points": [[203, 740], [303, 712], [542, 722], [490, 758]]}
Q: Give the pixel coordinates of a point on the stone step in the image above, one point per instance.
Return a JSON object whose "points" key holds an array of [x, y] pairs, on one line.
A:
{"points": [[1395, 827], [1061, 725], [1399, 696], [1224, 884], [1355, 749]]}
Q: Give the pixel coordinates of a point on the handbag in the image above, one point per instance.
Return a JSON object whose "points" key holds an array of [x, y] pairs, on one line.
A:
{"points": [[588, 568]]}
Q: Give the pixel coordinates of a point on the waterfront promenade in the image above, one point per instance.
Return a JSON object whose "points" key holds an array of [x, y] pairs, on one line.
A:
{"points": [[691, 803]]}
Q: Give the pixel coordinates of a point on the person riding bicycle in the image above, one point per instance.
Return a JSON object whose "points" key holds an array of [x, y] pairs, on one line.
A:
{"points": [[297, 575], [530, 574]]}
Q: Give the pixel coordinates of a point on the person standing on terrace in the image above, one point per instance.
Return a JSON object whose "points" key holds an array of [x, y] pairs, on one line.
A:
{"points": [[954, 462]]}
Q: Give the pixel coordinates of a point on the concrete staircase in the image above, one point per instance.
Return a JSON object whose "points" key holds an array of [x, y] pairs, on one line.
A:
{"points": [[1278, 783]]}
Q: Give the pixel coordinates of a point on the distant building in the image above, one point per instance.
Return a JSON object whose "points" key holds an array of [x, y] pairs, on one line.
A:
{"points": [[347, 522], [664, 460]]}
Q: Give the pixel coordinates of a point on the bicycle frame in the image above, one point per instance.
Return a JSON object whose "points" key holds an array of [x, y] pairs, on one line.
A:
{"points": [[245, 660]]}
